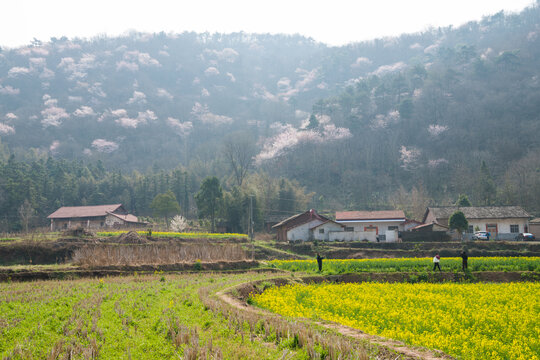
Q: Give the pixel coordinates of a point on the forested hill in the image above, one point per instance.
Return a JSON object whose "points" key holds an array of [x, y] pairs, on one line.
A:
{"points": [[393, 122]]}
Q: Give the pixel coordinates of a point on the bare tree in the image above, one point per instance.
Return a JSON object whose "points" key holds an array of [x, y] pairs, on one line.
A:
{"points": [[239, 150], [26, 213]]}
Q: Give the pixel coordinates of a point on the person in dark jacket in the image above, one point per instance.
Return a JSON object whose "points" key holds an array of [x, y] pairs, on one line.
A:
{"points": [[464, 258], [319, 261]]}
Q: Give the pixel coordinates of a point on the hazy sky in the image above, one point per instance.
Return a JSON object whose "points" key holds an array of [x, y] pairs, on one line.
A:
{"points": [[334, 22]]}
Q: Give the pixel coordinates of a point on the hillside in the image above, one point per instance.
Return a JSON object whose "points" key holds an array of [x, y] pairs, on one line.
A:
{"points": [[394, 122]]}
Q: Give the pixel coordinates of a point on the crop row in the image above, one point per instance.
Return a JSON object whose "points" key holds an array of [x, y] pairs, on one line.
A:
{"points": [[469, 321], [336, 266], [157, 316], [141, 317], [185, 235]]}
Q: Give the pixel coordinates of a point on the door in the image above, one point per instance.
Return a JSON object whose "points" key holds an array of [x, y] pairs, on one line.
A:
{"points": [[492, 230]]}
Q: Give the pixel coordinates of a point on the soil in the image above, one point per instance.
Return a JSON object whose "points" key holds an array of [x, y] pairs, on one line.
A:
{"points": [[103, 271]]}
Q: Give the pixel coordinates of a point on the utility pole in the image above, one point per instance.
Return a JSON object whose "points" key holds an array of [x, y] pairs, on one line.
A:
{"points": [[251, 227]]}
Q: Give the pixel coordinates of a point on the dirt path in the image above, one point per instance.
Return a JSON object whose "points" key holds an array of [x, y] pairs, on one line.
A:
{"points": [[399, 347]]}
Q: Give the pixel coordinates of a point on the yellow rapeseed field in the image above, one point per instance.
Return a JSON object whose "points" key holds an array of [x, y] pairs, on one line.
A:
{"points": [[469, 321]]}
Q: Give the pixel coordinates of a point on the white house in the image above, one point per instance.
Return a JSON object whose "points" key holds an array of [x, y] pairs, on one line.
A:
{"points": [[300, 227], [327, 231], [502, 222], [372, 225]]}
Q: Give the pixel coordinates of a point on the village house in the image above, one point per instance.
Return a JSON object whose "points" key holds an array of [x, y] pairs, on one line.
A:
{"points": [[534, 227], [502, 222], [372, 225], [349, 226], [410, 224], [93, 217], [306, 226]]}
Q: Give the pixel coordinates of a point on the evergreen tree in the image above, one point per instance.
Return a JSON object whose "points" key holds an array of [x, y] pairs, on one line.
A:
{"points": [[463, 201], [166, 206], [208, 199], [459, 222]]}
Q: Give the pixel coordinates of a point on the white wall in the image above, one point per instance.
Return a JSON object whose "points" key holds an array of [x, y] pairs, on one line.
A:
{"points": [[328, 228], [381, 225], [302, 232], [391, 236], [503, 226], [352, 236]]}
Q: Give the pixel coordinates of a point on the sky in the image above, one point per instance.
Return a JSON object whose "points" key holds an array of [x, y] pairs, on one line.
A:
{"points": [[334, 22]]}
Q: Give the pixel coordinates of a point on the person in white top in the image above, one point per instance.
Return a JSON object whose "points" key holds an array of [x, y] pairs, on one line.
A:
{"points": [[436, 262]]}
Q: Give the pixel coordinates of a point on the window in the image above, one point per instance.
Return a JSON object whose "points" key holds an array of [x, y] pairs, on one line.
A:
{"points": [[349, 228], [321, 231], [470, 229], [392, 228], [514, 228]]}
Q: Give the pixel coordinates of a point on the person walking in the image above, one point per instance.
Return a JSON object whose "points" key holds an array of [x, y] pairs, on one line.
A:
{"points": [[464, 258], [319, 261], [436, 262]]}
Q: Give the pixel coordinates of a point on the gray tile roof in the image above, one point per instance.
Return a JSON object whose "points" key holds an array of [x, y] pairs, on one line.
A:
{"points": [[481, 212], [67, 212]]}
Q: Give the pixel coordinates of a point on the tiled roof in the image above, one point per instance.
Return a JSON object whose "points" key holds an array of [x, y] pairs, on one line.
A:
{"points": [[326, 222], [480, 212], [370, 215], [83, 211], [428, 225], [300, 219], [126, 218]]}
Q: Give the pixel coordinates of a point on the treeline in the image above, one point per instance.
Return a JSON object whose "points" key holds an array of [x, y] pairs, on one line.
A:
{"points": [[30, 191], [462, 118]]}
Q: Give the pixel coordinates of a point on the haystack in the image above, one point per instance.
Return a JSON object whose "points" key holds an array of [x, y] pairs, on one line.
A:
{"points": [[130, 238]]}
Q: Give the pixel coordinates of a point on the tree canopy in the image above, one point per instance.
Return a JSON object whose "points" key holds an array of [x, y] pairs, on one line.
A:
{"points": [[458, 221], [165, 205], [463, 201], [208, 199]]}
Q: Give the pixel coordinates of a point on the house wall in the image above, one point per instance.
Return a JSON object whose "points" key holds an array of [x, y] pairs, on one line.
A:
{"points": [[63, 224], [409, 226], [503, 227], [328, 228], [431, 218], [302, 232], [281, 234], [352, 236], [382, 226], [113, 221], [534, 228]]}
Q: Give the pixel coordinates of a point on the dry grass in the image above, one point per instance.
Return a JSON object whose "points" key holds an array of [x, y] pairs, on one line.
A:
{"points": [[318, 343], [156, 254]]}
